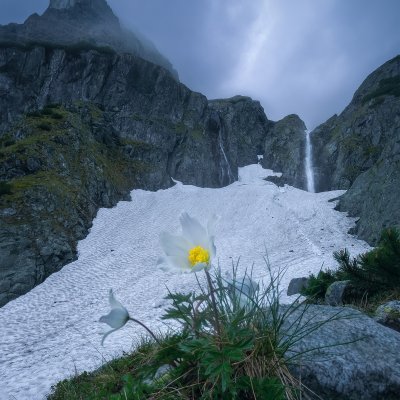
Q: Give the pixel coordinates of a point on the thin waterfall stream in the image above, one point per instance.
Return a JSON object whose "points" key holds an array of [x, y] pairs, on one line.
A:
{"points": [[231, 178], [308, 164]]}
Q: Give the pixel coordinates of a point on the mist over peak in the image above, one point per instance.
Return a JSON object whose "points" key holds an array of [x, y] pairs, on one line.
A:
{"points": [[68, 22], [66, 4]]}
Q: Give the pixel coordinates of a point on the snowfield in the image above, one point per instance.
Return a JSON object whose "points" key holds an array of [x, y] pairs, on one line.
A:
{"points": [[53, 331]]}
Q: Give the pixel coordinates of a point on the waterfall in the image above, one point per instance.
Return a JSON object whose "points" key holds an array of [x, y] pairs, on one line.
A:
{"points": [[308, 164], [228, 171]]}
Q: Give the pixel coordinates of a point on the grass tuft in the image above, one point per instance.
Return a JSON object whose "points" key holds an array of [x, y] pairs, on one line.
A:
{"points": [[234, 341]]}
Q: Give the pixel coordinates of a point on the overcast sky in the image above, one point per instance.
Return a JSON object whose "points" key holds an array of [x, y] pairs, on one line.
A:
{"points": [[295, 56]]}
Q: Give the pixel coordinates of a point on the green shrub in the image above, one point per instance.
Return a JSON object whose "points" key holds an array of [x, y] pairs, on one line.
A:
{"points": [[56, 115], [387, 87], [377, 270], [7, 140], [47, 111], [44, 126], [374, 273], [317, 285], [232, 343], [5, 188], [34, 114]]}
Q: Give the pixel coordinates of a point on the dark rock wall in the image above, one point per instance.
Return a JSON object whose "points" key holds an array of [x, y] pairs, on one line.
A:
{"points": [[359, 150], [284, 150], [80, 128]]}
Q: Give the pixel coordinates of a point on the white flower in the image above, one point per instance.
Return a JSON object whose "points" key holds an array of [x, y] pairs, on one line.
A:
{"points": [[243, 291], [194, 250], [117, 317]]}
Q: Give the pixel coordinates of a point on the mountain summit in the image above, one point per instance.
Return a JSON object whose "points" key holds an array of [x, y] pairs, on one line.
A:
{"points": [[65, 4], [68, 22]]}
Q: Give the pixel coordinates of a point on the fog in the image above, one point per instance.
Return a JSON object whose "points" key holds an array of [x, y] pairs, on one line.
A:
{"points": [[295, 56]]}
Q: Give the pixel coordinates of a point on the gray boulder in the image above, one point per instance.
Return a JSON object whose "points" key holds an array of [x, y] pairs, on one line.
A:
{"points": [[388, 314], [357, 357], [336, 293], [296, 285]]}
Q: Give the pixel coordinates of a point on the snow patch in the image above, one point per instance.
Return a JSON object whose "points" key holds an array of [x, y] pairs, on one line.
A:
{"points": [[53, 330]]}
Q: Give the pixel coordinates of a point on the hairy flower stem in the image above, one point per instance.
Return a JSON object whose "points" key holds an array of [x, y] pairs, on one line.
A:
{"points": [[214, 303], [145, 327]]}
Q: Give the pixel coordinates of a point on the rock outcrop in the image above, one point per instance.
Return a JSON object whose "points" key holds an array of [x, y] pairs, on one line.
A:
{"points": [[359, 150], [284, 150], [354, 357]]}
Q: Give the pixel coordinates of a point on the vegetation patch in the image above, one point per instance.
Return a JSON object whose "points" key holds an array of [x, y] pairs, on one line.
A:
{"points": [[231, 344], [196, 133], [180, 128], [374, 275], [6, 140], [5, 188], [44, 127], [74, 48], [137, 144], [387, 87]]}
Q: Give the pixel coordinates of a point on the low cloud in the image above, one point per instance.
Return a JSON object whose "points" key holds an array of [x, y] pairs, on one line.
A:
{"points": [[295, 56]]}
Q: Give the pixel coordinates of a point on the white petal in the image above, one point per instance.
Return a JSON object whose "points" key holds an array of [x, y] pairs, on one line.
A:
{"points": [[245, 287], [174, 245], [117, 318], [199, 266], [106, 334], [180, 262], [193, 231], [211, 247], [114, 303]]}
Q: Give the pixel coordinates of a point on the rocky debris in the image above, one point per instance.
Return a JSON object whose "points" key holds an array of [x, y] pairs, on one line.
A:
{"points": [[337, 292], [388, 314], [296, 285], [359, 150], [79, 23], [277, 180], [354, 357], [284, 150]]}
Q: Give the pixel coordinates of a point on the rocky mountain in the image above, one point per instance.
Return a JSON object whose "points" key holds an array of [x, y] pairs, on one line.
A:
{"points": [[284, 150], [82, 124], [359, 150], [80, 22]]}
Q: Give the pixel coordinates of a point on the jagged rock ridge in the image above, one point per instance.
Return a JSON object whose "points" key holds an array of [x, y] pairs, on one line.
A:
{"points": [[72, 22]]}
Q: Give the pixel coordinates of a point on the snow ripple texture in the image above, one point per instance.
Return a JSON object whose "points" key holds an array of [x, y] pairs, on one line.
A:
{"points": [[53, 332]]}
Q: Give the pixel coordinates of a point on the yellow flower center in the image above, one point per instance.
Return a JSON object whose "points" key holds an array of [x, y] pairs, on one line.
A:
{"points": [[198, 255]]}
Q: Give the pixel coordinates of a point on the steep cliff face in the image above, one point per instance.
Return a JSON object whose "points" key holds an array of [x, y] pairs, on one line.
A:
{"points": [[72, 22], [359, 150], [247, 118], [81, 127], [284, 150]]}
